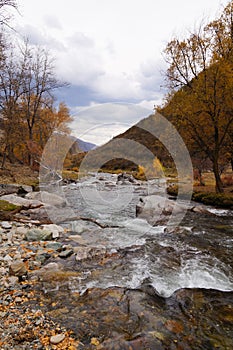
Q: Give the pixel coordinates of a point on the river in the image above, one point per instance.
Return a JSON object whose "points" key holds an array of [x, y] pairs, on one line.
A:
{"points": [[167, 275]]}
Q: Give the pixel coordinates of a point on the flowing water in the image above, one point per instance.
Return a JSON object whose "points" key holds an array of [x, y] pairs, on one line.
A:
{"points": [[197, 254]]}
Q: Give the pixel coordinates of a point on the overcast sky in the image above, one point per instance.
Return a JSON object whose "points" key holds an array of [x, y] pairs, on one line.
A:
{"points": [[111, 53]]}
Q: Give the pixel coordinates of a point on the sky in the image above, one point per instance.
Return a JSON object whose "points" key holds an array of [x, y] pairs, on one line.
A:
{"points": [[111, 54]]}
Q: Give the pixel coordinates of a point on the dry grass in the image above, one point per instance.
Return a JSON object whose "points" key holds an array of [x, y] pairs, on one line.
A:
{"points": [[17, 173]]}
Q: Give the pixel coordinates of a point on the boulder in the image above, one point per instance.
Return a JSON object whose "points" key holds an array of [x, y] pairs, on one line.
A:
{"points": [[156, 209], [14, 188], [47, 198], [16, 200]]}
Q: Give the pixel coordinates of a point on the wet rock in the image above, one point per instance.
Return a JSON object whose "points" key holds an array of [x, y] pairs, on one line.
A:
{"points": [[156, 209], [36, 234], [126, 178], [56, 339], [17, 268], [201, 210]]}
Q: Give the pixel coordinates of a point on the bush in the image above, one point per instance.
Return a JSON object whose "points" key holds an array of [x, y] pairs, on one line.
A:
{"points": [[220, 200]]}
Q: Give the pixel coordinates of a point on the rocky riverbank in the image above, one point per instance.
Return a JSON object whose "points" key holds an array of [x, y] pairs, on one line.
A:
{"points": [[40, 309], [48, 298]]}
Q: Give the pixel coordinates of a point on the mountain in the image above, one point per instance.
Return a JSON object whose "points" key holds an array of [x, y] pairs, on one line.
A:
{"points": [[80, 146], [85, 146], [136, 146]]}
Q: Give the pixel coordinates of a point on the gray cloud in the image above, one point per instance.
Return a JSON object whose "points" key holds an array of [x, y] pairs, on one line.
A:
{"points": [[100, 122], [52, 21]]}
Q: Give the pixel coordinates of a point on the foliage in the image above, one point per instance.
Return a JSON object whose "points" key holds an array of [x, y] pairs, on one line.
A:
{"points": [[6, 206], [200, 80], [221, 200]]}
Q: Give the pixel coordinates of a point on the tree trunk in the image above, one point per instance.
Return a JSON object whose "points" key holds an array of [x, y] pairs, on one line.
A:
{"points": [[218, 181]]}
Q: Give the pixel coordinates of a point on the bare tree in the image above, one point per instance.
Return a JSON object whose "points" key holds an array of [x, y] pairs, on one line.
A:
{"points": [[39, 82], [5, 15]]}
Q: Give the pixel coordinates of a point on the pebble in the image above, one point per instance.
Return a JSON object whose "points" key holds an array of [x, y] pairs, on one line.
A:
{"points": [[56, 339], [7, 258], [17, 268], [18, 300]]}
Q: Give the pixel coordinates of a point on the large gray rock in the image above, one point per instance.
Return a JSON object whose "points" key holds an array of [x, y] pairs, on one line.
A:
{"points": [[16, 200], [14, 188], [50, 199], [157, 209]]}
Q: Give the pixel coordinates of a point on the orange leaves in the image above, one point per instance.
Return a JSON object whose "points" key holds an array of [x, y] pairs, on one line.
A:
{"points": [[174, 326]]}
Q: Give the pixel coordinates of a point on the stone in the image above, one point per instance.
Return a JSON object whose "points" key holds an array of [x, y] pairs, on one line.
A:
{"points": [[54, 246], [7, 258], [16, 200], [6, 225], [17, 268], [155, 208], [8, 189], [66, 253], [36, 234], [47, 198], [54, 229], [42, 257], [56, 339], [18, 300], [81, 253], [12, 280], [77, 238], [21, 230]]}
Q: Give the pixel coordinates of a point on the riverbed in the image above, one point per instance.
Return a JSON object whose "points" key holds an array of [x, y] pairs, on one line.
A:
{"points": [[140, 286]]}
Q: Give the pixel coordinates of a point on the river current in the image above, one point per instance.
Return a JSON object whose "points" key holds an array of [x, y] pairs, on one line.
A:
{"points": [[196, 254]]}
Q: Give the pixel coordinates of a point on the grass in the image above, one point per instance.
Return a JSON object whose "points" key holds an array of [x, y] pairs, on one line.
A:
{"points": [[6, 206]]}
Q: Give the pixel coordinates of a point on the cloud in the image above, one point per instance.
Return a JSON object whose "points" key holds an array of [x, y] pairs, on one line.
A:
{"points": [[40, 37], [98, 123], [52, 22]]}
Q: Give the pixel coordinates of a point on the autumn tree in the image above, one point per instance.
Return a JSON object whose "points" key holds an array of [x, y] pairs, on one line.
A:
{"points": [[39, 83], [200, 79], [28, 115]]}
